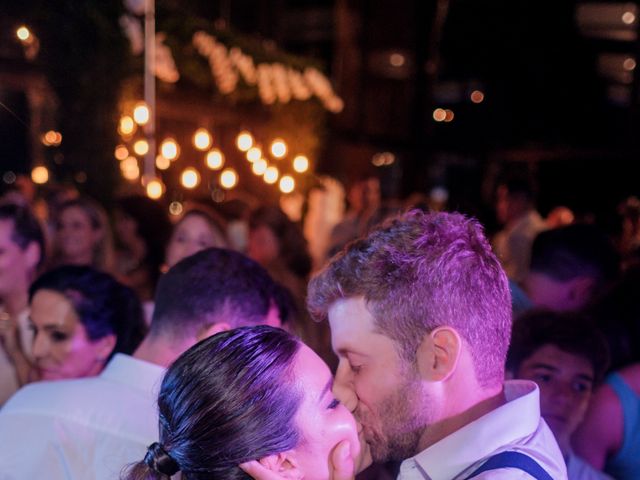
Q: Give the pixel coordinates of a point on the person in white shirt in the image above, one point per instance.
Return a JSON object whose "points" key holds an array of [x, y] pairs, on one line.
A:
{"points": [[92, 428], [420, 316]]}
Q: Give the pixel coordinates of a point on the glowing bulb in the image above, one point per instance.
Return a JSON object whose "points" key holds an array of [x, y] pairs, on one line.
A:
{"points": [[202, 139], [141, 113], [121, 152], [628, 18], [155, 189], [52, 138], [126, 126], [448, 115], [169, 149], [259, 166], [244, 141], [254, 154], [228, 178], [215, 159], [40, 175], [141, 147], [162, 163], [271, 175], [130, 169], [175, 208], [301, 164], [477, 96], [439, 114], [278, 148], [287, 184], [23, 33], [190, 178]]}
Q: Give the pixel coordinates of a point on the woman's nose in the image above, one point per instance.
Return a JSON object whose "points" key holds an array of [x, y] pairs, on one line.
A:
{"points": [[40, 346]]}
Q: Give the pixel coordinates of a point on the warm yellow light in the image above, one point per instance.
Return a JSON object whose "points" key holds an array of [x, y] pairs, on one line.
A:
{"points": [[628, 18], [190, 178], [121, 152], [127, 125], [228, 178], [259, 166], [141, 147], [141, 113], [254, 154], [271, 175], [40, 174], [301, 164], [287, 184], [175, 208], [244, 141], [162, 162], [169, 149], [202, 139], [155, 189], [278, 148], [129, 168], [477, 96], [215, 159], [23, 33], [439, 114], [629, 64]]}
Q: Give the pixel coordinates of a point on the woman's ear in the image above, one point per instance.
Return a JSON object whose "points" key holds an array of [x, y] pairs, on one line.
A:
{"points": [[283, 465], [105, 346]]}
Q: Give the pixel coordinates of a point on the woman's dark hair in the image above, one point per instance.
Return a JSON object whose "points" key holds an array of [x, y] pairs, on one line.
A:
{"points": [[293, 246], [229, 399], [104, 306]]}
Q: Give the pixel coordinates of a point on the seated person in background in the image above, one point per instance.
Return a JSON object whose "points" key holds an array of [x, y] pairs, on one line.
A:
{"points": [[609, 437], [566, 356], [89, 428], [81, 318], [570, 267], [249, 394]]}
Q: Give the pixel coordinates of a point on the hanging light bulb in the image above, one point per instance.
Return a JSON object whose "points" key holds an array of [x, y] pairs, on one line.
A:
{"points": [[23, 33], [141, 147], [169, 149], [40, 174], [287, 184], [301, 164], [278, 148], [130, 169], [202, 139], [155, 189], [215, 159], [190, 178], [126, 126], [271, 175], [162, 163], [259, 166], [253, 154], [228, 178], [121, 152], [244, 141], [141, 113]]}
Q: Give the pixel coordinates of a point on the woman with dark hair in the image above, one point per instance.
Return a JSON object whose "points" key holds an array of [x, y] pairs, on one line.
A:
{"points": [[81, 317], [249, 394]]}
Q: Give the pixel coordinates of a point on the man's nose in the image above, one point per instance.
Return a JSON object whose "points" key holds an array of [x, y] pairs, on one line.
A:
{"points": [[343, 388]]}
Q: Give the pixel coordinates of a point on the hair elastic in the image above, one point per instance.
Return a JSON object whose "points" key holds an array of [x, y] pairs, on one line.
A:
{"points": [[160, 461]]}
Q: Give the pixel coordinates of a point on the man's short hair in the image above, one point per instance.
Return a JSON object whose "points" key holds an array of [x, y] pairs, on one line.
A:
{"points": [[421, 271], [572, 251], [26, 227], [570, 332], [212, 286]]}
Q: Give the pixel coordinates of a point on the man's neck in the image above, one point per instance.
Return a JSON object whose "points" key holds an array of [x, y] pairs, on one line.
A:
{"points": [[459, 414], [159, 351], [15, 302]]}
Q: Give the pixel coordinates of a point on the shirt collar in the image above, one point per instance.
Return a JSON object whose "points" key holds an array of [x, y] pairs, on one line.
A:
{"points": [[517, 418], [133, 372]]}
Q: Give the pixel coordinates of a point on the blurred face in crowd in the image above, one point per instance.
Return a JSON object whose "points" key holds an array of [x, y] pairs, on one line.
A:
{"points": [[61, 347], [263, 247], [76, 236], [16, 264], [376, 384], [322, 420], [566, 383], [191, 235]]}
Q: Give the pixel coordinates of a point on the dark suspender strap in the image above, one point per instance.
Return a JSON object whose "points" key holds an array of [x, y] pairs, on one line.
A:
{"points": [[513, 460]]}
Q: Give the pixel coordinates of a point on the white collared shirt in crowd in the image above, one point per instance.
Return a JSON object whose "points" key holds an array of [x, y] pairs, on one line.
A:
{"points": [[82, 429], [514, 426]]}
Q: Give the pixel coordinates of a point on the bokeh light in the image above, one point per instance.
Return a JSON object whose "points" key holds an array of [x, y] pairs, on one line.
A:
{"points": [[287, 184], [278, 148], [228, 178], [169, 149], [141, 113], [244, 141], [40, 175], [202, 139], [271, 175], [141, 147], [215, 159], [259, 166], [301, 164], [190, 178]]}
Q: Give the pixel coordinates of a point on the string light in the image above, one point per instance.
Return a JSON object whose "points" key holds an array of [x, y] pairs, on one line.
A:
{"points": [[130, 169], [202, 139], [141, 147], [23, 33], [228, 178], [259, 166], [40, 175], [162, 162], [141, 113], [301, 164], [190, 178], [271, 175], [439, 114], [244, 141], [155, 189], [477, 96], [169, 149], [448, 115], [215, 159], [175, 208], [254, 154], [126, 126], [121, 152], [287, 184], [278, 148]]}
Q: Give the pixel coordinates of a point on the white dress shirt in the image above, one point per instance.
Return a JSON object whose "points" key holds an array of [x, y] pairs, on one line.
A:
{"points": [[8, 375], [81, 429], [578, 469], [514, 426]]}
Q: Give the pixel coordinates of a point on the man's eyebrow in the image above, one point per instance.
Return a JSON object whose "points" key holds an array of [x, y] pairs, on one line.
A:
{"points": [[326, 388], [545, 366]]}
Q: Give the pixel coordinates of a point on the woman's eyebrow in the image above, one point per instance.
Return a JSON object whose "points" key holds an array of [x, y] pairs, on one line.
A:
{"points": [[326, 388]]}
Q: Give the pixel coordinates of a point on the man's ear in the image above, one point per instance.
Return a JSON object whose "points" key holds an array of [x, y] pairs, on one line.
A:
{"points": [[283, 464], [438, 353], [212, 330]]}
